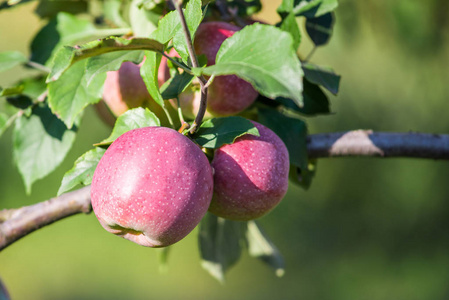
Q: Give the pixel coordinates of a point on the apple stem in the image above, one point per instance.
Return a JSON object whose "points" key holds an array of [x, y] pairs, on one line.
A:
{"points": [[184, 126], [181, 117], [195, 64], [309, 56], [170, 120], [38, 66], [209, 82]]}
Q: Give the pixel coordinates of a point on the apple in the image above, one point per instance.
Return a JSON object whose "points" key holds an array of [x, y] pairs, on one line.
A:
{"points": [[251, 176], [124, 89], [152, 186], [227, 95]]}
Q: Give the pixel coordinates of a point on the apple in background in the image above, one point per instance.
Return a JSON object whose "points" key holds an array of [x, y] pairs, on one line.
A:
{"points": [[251, 176], [124, 89], [227, 95], [152, 186]]}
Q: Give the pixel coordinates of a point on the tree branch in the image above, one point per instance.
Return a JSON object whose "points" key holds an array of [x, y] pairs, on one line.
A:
{"points": [[16, 223], [194, 59], [382, 144]]}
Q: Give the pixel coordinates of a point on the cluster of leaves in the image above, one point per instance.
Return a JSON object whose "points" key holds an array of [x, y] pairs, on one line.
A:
{"points": [[48, 108]]}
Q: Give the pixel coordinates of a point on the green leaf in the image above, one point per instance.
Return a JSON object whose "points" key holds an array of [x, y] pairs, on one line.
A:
{"points": [[262, 55], [3, 122], [216, 132], [193, 15], [292, 131], [67, 56], [72, 28], [143, 22], [132, 119], [33, 87], [169, 27], [111, 10], [49, 8], [41, 143], [163, 259], [45, 43], [176, 85], [290, 25], [64, 29], [11, 91], [110, 62], [149, 73], [322, 76], [307, 8], [20, 101], [303, 176], [320, 29], [10, 3], [315, 101], [261, 247], [220, 244], [82, 171], [4, 295], [10, 59], [70, 94], [244, 8]]}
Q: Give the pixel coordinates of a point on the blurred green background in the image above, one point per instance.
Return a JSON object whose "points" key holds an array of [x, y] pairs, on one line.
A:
{"points": [[367, 229]]}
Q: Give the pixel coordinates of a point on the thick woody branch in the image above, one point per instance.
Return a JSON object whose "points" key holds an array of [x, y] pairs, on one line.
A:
{"points": [[382, 144], [16, 223]]}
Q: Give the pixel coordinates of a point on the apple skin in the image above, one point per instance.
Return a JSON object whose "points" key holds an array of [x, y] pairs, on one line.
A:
{"points": [[251, 176], [227, 95], [152, 186], [124, 89]]}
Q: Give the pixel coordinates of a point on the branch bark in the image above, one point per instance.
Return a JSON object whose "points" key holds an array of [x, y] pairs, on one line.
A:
{"points": [[381, 144], [17, 223]]}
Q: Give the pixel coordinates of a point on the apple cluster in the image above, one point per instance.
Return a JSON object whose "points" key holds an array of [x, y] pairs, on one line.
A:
{"points": [[154, 185]]}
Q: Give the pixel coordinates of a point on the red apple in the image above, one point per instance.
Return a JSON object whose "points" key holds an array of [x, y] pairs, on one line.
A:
{"points": [[152, 186], [251, 176], [124, 89], [228, 95]]}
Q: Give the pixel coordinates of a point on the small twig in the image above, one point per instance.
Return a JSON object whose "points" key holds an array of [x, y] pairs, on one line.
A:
{"points": [[194, 59], [185, 68], [309, 56], [38, 66], [209, 82]]}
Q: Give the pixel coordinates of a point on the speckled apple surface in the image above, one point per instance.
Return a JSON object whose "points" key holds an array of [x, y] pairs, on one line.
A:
{"points": [[228, 95], [251, 176], [152, 186], [125, 89]]}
